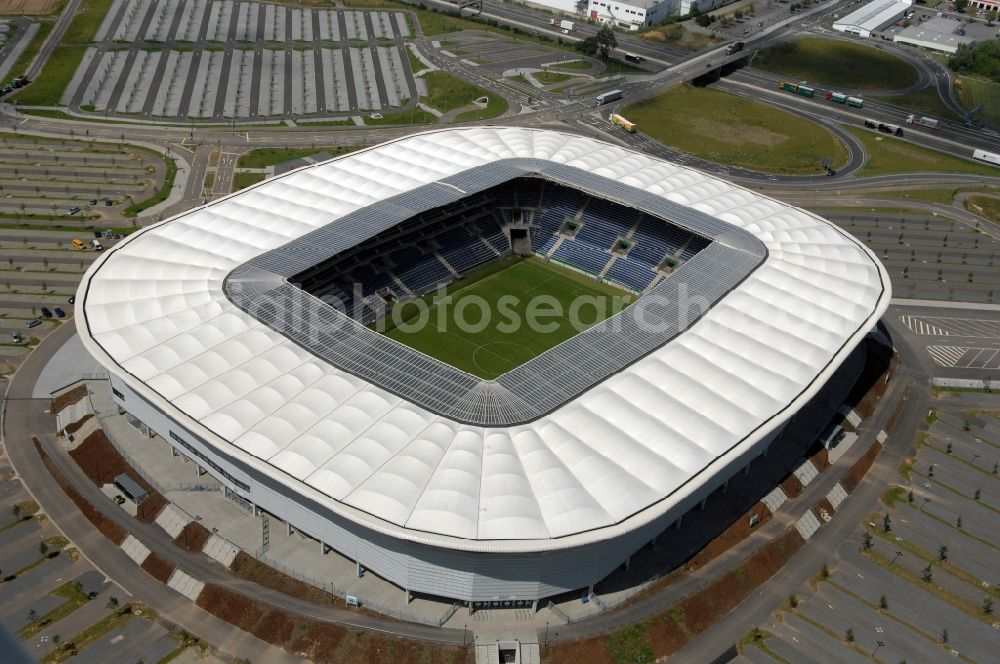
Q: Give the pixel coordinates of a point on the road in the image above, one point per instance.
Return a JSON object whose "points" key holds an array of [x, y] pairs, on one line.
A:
{"points": [[718, 640], [69, 11]]}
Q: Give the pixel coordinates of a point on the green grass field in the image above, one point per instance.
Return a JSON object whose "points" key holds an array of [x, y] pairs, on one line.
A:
{"points": [[837, 63], [984, 206], [887, 154], [482, 324], [732, 130], [264, 157], [975, 91]]}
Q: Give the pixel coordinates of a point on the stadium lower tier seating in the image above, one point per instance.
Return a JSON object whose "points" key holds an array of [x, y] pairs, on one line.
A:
{"points": [[633, 274]]}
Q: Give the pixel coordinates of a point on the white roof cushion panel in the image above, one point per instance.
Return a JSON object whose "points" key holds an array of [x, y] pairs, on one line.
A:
{"points": [[156, 307]]}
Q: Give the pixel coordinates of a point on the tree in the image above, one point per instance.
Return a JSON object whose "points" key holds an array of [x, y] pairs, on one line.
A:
{"points": [[866, 541], [849, 635], [56, 639], [603, 43], [909, 497], [961, 6], [943, 553], [927, 574], [978, 494], [947, 448], [991, 16], [824, 572], [887, 523], [32, 615], [930, 470], [988, 606], [112, 603], [793, 601], [704, 20], [15, 509], [958, 523], [43, 548], [883, 603], [944, 632]]}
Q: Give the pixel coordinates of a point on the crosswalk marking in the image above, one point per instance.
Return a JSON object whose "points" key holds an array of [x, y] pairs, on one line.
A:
{"points": [[958, 327], [946, 356]]}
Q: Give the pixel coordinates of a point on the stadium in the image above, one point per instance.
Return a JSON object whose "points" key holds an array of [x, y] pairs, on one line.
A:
{"points": [[270, 336]]}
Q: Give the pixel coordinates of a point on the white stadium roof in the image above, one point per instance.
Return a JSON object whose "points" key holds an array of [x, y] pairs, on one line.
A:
{"points": [[615, 457]]}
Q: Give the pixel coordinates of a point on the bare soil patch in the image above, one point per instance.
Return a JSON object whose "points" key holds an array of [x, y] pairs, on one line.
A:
{"points": [[104, 525], [730, 537], [193, 537], [158, 567], [852, 478], [247, 567], [99, 459], [28, 7], [69, 397]]}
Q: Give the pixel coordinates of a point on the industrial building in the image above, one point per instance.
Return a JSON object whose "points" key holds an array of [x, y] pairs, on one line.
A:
{"points": [[937, 34], [872, 17]]}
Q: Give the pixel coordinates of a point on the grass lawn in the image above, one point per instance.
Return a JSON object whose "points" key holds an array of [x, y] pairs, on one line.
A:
{"points": [[975, 91], [88, 19], [445, 92], [677, 35], [75, 598], [416, 116], [20, 66], [573, 64], [492, 343], [519, 78], [48, 86], [887, 154], [922, 102], [244, 180], [735, 131], [547, 77], [984, 206], [264, 157], [837, 63], [162, 193]]}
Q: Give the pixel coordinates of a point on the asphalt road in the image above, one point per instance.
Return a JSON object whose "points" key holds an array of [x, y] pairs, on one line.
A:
{"points": [[715, 642]]}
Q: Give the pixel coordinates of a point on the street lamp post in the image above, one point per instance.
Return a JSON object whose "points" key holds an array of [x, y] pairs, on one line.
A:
{"points": [[878, 644], [895, 558]]}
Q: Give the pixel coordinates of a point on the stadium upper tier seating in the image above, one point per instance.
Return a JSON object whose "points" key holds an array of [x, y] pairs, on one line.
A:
{"points": [[437, 246]]}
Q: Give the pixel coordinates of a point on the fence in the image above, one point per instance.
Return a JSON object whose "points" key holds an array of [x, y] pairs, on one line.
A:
{"points": [[334, 589]]}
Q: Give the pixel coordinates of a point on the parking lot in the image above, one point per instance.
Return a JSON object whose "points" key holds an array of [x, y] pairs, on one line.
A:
{"points": [[929, 257], [53, 192], [922, 589], [227, 59], [52, 598]]}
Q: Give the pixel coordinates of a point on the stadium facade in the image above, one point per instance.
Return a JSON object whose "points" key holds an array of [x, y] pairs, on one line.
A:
{"points": [[541, 481]]}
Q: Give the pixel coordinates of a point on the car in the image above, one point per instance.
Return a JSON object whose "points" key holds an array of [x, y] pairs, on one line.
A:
{"points": [[97, 234], [72, 299], [16, 338], [46, 312], [93, 201], [565, 32], [96, 246], [34, 322], [108, 202], [119, 499], [73, 210], [78, 243], [59, 312]]}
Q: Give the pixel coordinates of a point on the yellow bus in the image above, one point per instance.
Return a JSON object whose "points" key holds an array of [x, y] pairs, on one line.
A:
{"points": [[623, 123]]}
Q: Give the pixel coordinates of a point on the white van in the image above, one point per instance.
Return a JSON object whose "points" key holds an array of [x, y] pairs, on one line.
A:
{"points": [[95, 245]]}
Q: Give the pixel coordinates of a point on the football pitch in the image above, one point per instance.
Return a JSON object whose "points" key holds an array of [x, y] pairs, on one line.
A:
{"points": [[502, 315]]}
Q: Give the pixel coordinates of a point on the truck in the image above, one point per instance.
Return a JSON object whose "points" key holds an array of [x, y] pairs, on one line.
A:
{"points": [[797, 88], [735, 47], [988, 157], [623, 123], [564, 25], [611, 95], [836, 97], [930, 123], [856, 102]]}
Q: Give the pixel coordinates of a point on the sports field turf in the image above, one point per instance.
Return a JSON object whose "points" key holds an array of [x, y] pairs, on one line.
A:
{"points": [[455, 330]]}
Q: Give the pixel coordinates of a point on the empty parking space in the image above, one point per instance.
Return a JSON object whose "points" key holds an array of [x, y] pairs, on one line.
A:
{"points": [[237, 59]]}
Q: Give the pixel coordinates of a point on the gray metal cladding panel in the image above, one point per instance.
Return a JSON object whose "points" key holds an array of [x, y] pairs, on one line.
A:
{"points": [[533, 389]]}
